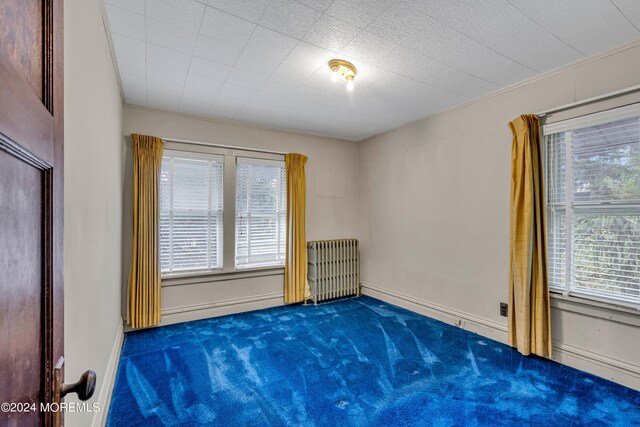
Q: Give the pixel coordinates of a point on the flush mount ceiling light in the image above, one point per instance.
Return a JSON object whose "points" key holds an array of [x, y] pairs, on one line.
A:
{"points": [[341, 68]]}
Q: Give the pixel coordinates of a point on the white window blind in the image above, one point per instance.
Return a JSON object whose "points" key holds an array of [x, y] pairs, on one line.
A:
{"points": [[593, 201], [191, 212], [260, 212]]}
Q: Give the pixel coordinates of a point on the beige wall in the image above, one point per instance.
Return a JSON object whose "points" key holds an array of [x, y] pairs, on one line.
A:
{"points": [[331, 206], [92, 205], [431, 210], [434, 214]]}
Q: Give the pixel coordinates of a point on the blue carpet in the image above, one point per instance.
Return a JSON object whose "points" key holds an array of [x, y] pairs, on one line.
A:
{"points": [[356, 362]]}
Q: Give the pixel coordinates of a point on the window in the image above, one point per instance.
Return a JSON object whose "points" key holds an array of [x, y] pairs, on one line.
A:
{"points": [[191, 212], [199, 232], [593, 201], [260, 213]]}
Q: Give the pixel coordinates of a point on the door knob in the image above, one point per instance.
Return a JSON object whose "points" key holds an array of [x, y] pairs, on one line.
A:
{"points": [[84, 388]]}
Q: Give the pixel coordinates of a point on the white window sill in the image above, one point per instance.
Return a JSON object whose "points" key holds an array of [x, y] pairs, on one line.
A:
{"points": [[190, 278], [604, 310]]}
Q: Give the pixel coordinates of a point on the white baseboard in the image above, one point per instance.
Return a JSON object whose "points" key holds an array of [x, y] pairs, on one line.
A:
{"points": [[448, 315], [597, 364], [108, 382], [220, 308], [603, 366]]}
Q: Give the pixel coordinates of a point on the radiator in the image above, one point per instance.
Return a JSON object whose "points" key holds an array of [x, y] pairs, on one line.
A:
{"points": [[333, 269]]}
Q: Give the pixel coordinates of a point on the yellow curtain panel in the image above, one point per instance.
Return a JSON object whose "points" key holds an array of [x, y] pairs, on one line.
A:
{"points": [[296, 286], [144, 276], [529, 326]]}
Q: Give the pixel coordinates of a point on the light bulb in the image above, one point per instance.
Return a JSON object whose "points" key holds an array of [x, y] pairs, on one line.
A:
{"points": [[334, 75], [350, 84]]}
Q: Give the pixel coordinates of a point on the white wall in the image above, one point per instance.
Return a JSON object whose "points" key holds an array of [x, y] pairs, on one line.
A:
{"points": [[92, 205], [434, 216], [331, 206]]}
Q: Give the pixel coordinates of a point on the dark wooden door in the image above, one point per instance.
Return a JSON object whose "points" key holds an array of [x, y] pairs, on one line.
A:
{"points": [[31, 208]]}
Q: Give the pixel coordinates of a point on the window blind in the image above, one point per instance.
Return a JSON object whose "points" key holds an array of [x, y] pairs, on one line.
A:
{"points": [[191, 212], [593, 201], [260, 212]]}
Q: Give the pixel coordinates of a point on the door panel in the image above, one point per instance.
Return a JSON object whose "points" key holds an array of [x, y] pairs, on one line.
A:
{"points": [[31, 206], [20, 287], [22, 38], [24, 119]]}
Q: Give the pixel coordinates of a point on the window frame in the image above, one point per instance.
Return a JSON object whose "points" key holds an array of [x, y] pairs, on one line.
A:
{"points": [[210, 157], [261, 162], [571, 208], [230, 155]]}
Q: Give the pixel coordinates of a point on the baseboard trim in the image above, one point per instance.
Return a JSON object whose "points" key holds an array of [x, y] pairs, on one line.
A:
{"points": [[603, 366], [597, 364], [220, 308], [448, 315], [109, 380]]}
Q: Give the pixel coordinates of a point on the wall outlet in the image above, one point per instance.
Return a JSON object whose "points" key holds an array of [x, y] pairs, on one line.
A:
{"points": [[503, 309]]}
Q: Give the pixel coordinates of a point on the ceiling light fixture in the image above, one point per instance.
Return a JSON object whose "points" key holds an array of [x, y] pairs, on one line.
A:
{"points": [[341, 68]]}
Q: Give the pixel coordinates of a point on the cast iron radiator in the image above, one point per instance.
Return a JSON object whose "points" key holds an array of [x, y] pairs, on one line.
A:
{"points": [[333, 269]]}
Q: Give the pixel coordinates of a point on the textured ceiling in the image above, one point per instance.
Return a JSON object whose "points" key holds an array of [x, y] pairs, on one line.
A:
{"points": [[264, 61]]}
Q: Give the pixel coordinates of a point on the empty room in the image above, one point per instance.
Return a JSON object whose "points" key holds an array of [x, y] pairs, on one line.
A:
{"points": [[319, 213]]}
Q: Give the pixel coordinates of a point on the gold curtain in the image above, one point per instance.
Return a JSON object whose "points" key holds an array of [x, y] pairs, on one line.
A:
{"points": [[529, 326], [144, 276], [296, 286]]}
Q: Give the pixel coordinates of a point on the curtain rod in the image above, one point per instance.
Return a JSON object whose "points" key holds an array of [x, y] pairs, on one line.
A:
{"points": [[613, 94], [231, 147]]}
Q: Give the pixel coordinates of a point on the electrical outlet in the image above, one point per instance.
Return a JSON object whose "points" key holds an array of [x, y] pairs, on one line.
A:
{"points": [[503, 309]]}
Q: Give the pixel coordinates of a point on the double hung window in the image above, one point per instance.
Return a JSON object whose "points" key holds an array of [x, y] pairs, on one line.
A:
{"points": [[191, 212], [260, 213], [194, 219], [592, 182]]}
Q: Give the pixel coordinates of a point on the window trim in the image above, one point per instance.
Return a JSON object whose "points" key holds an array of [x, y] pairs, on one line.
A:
{"points": [[595, 308], [591, 119], [173, 279], [230, 155], [593, 299]]}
